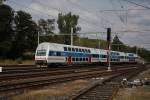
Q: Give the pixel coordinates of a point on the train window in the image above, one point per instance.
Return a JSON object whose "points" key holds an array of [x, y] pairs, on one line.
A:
{"points": [[97, 56], [76, 49], [41, 53], [62, 53], [69, 49], [73, 49], [86, 50], [79, 50], [58, 54], [103, 56], [122, 57], [80, 59], [93, 55], [52, 53], [89, 51], [73, 59], [65, 48], [130, 54], [82, 50], [86, 59], [76, 59]]}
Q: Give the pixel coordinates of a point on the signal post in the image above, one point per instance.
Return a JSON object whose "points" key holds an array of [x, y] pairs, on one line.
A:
{"points": [[109, 48]]}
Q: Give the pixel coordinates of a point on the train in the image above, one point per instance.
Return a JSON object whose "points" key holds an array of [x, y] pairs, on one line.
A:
{"points": [[60, 54]]}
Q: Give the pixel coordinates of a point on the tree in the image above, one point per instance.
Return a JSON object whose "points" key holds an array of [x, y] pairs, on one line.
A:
{"points": [[26, 34], [144, 54], [46, 26], [117, 45], [6, 17], [6, 30], [1, 1], [66, 23]]}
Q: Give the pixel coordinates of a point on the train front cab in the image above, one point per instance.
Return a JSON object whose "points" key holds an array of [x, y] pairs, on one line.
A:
{"points": [[41, 57]]}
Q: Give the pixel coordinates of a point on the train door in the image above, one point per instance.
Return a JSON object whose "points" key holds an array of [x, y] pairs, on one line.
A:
{"points": [[69, 60]]}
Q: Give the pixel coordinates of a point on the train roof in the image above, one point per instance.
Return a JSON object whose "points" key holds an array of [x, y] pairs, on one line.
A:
{"points": [[43, 46], [56, 46], [60, 47]]}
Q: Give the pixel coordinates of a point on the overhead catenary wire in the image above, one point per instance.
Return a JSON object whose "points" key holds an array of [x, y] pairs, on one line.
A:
{"points": [[124, 21], [64, 12], [137, 4], [61, 11]]}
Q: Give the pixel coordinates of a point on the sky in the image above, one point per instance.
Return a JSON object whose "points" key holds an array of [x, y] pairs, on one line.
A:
{"points": [[127, 20]]}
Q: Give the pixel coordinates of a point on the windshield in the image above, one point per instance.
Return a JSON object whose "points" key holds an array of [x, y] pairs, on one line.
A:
{"points": [[41, 53]]}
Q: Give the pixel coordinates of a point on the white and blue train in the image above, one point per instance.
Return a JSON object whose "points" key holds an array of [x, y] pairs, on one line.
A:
{"points": [[60, 54]]}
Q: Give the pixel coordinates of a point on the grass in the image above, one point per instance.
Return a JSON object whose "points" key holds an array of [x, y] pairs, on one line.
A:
{"points": [[140, 93], [57, 92], [93, 43], [14, 62]]}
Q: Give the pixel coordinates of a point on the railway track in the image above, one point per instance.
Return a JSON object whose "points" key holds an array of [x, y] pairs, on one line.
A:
{"points": [[107, 89], [36, 69], [46, 72], [19, 85], [30, 68]]}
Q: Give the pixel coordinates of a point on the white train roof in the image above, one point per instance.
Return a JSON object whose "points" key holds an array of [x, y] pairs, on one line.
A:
{"points": [[55, 46], [60, 47], [43, 46], [122, 53]]}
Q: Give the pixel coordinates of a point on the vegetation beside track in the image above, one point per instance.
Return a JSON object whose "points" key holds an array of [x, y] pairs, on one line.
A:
{"points": [[59, 91], [16, 62], [136, 93]]}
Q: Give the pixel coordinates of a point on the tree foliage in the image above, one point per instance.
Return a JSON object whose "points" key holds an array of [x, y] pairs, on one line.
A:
{"points": [[46, 26], [18, 32], [6, 17], [25, 33], [6, 30], [66, 23], [1, 1], [117, 45]]}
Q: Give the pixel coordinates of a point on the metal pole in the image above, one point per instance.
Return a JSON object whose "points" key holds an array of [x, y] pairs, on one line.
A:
{"points": [[38, 38], [71, 36], [109, 57], [109, 48]]}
